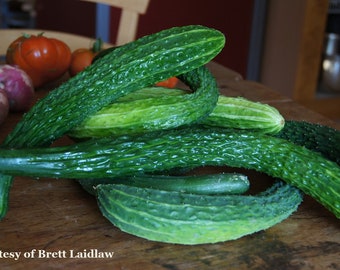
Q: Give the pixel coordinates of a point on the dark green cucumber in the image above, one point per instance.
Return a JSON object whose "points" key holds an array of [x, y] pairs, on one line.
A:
{"points": [[191, 219], [130, 67], [187, 148], [210, 184], [135, 65], [316, 137], [158, 108]]}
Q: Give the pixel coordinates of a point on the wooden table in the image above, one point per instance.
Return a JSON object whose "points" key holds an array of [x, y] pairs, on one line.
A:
{"points": [[58, 216]]}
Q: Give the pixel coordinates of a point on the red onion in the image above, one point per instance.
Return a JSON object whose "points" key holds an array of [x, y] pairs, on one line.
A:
{"points": [[4, 106], [18, 86]]}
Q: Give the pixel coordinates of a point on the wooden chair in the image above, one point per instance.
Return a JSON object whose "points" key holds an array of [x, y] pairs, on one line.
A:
{"points": [[127, 28], [131, 9]]}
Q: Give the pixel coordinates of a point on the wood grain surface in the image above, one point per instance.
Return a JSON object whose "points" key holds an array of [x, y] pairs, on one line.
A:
{"points": [[51, 222]]}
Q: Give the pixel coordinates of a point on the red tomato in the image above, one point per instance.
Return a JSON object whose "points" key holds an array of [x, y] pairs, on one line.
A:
{"points": [[43, 59], [169, 83], [81, 58]]}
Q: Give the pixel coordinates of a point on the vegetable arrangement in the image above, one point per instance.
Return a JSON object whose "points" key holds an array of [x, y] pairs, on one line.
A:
{"points": [[137, 135]]}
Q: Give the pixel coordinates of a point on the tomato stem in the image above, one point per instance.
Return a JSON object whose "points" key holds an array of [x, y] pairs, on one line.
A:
{"points": [[97, 45], [25, 35]]}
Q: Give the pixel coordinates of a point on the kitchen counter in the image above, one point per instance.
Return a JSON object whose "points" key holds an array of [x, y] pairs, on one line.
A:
{"points": [[55, 224]]}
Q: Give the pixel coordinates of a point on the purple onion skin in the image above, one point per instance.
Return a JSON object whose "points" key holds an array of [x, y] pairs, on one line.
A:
{"points": [[18, 87]]}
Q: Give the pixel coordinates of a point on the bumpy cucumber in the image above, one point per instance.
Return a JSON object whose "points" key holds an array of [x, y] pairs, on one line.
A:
{"points": [[319, 138], [189, 147], [191, 219], [231, 112], [158, 108], [130, 67], [141, 115], [210, 184]]}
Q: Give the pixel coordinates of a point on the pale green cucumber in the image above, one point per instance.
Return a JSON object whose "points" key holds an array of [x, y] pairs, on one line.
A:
{"points": [[158, 108], [150, 114], [241, 113], [181, 218]]}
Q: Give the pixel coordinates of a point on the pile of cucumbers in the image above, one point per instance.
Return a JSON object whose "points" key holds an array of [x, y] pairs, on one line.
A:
{"points": [[135, 145]]}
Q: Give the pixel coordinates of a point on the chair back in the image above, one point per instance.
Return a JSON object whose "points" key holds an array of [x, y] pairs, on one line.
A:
{"points": [[131, 10], [127, 28]]}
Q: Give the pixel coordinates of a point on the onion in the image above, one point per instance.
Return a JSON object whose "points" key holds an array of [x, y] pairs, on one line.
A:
{"points": [[18, 86], [4, 106]]}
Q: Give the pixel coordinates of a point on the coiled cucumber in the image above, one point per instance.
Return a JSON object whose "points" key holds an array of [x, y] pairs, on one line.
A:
{"points": [[190, 219], [210, 184]]}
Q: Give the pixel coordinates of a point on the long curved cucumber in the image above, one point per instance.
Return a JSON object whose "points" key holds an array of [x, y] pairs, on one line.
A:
{"points": [[135, 65], [209, 184], [191, 219], [189, 147]]}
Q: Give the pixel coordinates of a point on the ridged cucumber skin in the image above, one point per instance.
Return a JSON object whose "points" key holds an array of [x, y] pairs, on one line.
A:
{"points": [[188, 148], [150, 114], [130, 67], [316, 137], [210, 184], [190, 219], [241, 113], [157, 108]]}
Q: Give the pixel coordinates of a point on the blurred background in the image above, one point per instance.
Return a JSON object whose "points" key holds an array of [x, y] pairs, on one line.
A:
{"points": [[284, 44]]}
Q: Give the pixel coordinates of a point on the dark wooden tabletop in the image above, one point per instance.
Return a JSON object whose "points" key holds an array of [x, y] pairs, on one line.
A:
{"points": [[50, 222]]}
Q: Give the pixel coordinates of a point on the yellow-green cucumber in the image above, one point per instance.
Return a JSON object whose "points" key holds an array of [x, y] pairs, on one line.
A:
{"points": [[156, 108]]}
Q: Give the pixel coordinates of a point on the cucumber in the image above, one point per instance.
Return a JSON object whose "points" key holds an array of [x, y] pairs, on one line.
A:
{"points": [[187, 148], [156, 108], [319, 138], [191, 219], [241, 113], [210, 184], [130, 67], [150, 114], [135, 65]]}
